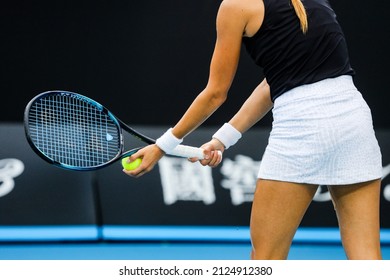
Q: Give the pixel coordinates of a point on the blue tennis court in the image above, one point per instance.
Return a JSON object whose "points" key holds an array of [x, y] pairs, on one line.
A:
{"points": [[309, 244], [162, 251]]}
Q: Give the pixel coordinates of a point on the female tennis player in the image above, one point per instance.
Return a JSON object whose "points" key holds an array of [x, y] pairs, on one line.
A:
{"points": [[322, 132]]}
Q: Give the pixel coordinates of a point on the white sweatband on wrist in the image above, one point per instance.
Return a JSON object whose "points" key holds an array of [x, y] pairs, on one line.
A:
{"points": [[228, 135], [167, 142]]}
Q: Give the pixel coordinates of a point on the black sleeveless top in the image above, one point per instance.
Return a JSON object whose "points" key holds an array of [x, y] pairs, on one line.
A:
{"points": [[290, 58]]}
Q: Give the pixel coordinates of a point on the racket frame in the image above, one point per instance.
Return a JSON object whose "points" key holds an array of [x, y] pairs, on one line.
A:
{"points": [[181, 150]]}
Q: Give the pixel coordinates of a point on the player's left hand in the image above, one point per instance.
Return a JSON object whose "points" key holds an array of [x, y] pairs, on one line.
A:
{"points": [[213, 153]]}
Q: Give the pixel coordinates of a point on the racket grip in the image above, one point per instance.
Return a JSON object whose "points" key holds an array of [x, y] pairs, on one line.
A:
{"points": [[188, 152]]}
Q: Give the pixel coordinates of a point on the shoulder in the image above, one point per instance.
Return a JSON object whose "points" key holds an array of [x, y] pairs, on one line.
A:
{"points": [[243, 6], [248, 12]]}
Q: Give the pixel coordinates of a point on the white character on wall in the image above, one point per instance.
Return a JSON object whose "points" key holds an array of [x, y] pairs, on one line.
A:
{"points": [[9, 169], [186, 181]]}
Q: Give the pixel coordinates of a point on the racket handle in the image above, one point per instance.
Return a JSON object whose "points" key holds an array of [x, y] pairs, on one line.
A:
{"points": [[188, 152]]}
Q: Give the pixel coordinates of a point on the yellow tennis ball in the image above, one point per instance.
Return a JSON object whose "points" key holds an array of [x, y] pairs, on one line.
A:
{"points": [[131, 165]]}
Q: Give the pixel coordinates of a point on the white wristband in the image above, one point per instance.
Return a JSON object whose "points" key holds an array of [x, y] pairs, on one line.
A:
{"points": [[167, 142], [228, 135]]}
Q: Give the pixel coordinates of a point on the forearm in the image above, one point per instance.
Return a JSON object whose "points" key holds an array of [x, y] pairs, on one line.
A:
{"points": [[254, 109], [204, 105]]}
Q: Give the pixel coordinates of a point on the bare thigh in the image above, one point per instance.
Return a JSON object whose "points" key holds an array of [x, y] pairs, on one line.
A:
{"points": [[277, 210], [357, 208]]}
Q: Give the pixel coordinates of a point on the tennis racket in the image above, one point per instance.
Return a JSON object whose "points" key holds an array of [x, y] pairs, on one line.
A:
{"points": [[74, 132]]}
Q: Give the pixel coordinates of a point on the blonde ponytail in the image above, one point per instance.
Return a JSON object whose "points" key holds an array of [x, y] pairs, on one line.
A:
{"points": [[301, 13]]}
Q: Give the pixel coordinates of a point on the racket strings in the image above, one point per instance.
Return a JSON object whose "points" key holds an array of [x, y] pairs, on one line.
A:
{"points": [[73, 132]]}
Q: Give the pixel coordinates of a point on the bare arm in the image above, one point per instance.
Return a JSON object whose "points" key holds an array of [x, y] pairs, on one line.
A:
{"points": [[231, 22], [254, 109], [235, 19]]}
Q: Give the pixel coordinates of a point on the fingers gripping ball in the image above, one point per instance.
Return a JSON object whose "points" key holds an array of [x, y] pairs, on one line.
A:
{"points": [[131, 165]]}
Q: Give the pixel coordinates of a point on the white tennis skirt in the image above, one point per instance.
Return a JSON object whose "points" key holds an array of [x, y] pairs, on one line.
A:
{"points": [[322, 133]]}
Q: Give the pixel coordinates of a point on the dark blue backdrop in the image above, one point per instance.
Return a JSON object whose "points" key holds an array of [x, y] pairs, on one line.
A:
{"points": [[152, 57]]}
